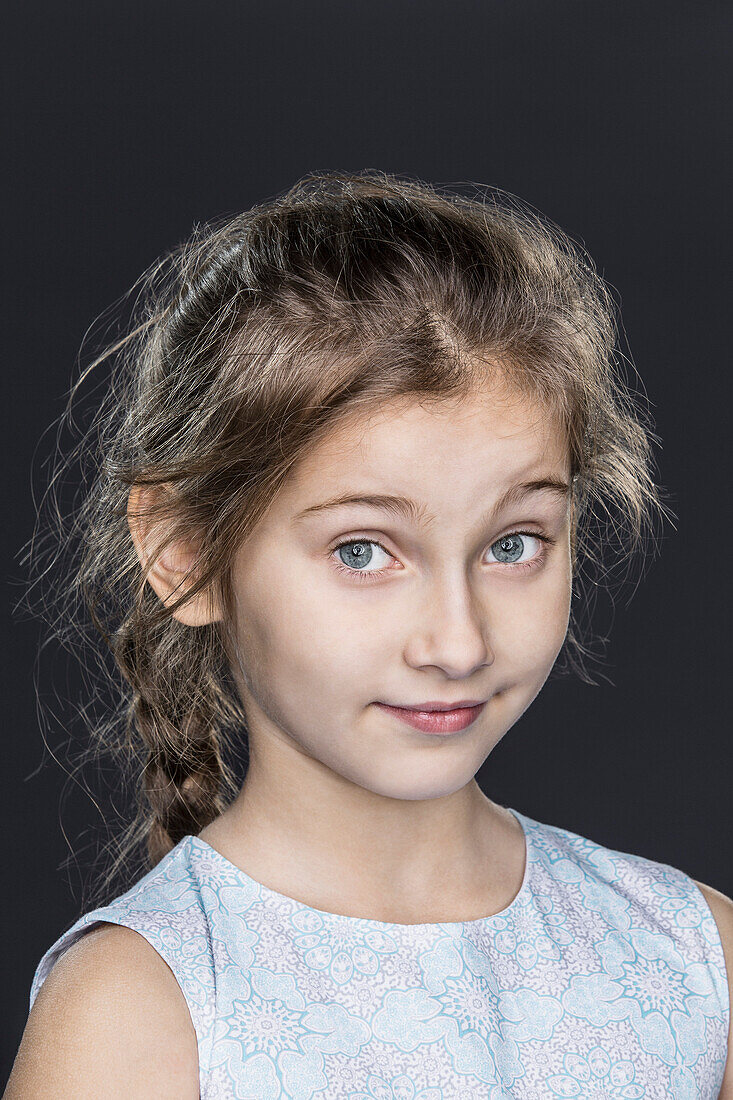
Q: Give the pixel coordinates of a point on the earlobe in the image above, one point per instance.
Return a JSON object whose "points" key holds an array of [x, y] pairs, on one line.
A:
{"points": [[167, 572]]}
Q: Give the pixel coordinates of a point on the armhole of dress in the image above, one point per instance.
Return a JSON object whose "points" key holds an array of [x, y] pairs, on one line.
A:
{"points": [[723, 989], [77, 931]]}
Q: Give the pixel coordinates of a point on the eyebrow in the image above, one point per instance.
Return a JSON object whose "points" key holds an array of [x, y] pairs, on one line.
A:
{"points": [[408, 509]]}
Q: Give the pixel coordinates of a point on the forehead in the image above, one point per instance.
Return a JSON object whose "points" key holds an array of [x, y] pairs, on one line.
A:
{"points": [[413, 445]]}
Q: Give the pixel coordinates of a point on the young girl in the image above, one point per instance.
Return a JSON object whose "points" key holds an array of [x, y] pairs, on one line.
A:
{"points": [[348, 477]]}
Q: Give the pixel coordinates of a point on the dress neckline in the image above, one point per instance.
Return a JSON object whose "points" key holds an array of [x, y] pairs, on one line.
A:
{"points": [[265, 892]]}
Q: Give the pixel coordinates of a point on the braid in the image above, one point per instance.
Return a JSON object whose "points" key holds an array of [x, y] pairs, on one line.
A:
{"points": [[176, 728], [182, 787]]}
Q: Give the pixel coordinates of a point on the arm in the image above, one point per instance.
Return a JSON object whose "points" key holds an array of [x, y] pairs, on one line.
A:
{"points": [[721, 907], [110, 1020]]}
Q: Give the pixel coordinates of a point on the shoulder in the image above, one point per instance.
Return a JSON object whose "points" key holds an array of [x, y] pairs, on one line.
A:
{"points": [[721, 906], [110, 1019]]}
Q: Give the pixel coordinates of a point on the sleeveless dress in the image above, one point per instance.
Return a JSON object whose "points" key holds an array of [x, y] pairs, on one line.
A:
{"points": [[605, 976]]}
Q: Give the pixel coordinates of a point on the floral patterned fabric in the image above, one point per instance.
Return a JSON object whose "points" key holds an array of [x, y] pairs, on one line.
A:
{"points": [[605, 976]]}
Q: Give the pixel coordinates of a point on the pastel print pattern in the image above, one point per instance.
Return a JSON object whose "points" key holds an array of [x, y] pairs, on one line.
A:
{"points": [[604, 977]]}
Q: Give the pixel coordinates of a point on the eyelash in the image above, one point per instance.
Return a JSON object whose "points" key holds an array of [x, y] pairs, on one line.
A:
{"points": [[364, 577]]}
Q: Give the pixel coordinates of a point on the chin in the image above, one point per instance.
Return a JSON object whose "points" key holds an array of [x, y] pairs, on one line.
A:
{"points": [[416, 787]]}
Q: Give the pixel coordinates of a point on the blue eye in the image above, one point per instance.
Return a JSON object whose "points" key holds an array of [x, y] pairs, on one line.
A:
{"points": [[359, 554], [510, 547]]}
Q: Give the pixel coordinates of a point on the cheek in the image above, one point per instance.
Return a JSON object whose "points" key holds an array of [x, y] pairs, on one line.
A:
{"points": [[533, 629], [297, 633]]}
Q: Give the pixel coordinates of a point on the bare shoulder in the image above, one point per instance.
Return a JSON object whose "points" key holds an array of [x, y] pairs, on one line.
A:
{"points": [[721, 906], [110, 1020]]}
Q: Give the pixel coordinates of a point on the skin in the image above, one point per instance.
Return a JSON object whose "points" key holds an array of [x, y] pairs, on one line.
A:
{"points": [[344, 807]]}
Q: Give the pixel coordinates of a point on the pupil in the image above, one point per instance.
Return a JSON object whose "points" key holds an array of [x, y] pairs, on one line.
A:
{"points": [[509, 548], [357, 553]]}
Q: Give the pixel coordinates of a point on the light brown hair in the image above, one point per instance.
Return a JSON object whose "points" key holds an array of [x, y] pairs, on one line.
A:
{"points": [[247, 344]]}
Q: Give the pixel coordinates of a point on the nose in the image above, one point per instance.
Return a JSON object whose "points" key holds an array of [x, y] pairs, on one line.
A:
{"points": [[449, 632]]}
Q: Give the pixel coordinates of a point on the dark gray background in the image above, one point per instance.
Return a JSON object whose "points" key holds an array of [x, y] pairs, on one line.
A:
{"points": [[128, 123]]}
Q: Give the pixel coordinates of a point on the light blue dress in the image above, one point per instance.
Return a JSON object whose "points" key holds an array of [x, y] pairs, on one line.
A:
{"points": [[604, 977]]}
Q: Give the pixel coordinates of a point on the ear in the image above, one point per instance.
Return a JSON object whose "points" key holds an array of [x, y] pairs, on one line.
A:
{"points": [[167, 572]]}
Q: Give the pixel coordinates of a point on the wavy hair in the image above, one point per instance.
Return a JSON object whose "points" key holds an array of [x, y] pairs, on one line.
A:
{"points": [[245, 345]]}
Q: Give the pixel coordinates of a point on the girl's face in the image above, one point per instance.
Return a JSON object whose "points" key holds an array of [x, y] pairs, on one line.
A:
{"points": [[443, 602]]}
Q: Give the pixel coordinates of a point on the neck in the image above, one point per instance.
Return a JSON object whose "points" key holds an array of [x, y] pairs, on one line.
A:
{"points": [[337, 846]]}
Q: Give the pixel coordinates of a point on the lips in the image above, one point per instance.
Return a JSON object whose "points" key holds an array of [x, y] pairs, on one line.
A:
{"points": [[436, 721], [437, 705]]}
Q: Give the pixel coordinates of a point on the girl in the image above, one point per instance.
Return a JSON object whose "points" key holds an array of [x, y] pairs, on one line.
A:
{"points": [[348, 473]]}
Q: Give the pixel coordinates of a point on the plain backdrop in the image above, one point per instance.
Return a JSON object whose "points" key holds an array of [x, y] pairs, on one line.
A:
{"points": [[128, 123]]}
